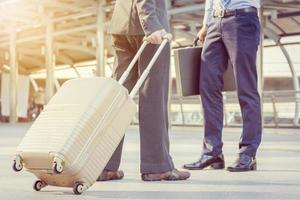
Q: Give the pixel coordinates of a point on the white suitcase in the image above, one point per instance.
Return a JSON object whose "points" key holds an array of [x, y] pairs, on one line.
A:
{"points": [[72, 140]]}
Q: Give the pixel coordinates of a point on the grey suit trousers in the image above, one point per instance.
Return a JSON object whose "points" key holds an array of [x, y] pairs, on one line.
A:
{"points": [[153, 100]]}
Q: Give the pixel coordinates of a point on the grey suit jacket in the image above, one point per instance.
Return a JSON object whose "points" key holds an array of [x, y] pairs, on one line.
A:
{"points": [[139, 17]]}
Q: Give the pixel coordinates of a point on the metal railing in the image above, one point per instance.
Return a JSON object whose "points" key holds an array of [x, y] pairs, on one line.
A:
{"points": [[278, 110]]}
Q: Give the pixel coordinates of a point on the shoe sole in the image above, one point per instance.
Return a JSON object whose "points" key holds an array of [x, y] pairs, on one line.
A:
{"points": [[156, 180], [252, 168], [166, 178], [214, 166]]}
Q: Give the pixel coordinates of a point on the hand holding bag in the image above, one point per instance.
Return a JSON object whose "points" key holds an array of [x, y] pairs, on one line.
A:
{"points": [[187, 67]]}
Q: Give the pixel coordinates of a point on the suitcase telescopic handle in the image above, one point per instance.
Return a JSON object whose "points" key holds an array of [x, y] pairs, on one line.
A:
{"points": [[166, 38], [132, 63]]}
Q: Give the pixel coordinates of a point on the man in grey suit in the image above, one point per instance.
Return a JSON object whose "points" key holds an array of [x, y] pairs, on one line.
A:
{"points": [[133, 20]]}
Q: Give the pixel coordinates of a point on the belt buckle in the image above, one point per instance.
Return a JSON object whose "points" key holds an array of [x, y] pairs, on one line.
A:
{"points": [[220, 13]]}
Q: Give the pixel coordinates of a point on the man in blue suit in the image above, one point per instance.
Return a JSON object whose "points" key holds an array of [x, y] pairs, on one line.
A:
{"points": [[231, 30]]}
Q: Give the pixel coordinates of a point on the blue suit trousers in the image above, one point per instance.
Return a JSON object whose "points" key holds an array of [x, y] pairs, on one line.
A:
{"points": [[236, 39]]}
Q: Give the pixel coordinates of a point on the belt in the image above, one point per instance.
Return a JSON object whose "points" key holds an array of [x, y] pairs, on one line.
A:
{"points": [[227, 13]]}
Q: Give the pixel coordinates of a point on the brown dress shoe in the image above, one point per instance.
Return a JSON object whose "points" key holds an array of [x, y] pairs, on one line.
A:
{"points": [[108, 175], [173, 175]]}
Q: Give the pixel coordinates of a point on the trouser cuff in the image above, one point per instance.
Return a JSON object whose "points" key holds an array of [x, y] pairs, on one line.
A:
{"points": [[150, 168], [112, 166]]}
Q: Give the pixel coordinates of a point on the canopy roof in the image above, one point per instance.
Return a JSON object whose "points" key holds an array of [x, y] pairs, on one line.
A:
{"points": [[77, 22]]}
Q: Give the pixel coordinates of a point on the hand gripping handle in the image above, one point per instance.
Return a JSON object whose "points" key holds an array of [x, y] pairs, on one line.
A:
{"points": [[166, 38], [195, 42]]}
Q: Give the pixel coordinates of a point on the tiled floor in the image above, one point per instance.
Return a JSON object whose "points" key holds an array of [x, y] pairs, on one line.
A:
{"points": [[278, 175]]}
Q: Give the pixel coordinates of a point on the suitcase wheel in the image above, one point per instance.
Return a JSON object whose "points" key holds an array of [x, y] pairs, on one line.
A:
{"points": [[58, 168], [38, 185], [17, 165], [78, 188]]}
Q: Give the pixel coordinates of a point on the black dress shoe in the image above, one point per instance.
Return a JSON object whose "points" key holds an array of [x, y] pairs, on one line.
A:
{"points": [[243, 163], [215, 162]]}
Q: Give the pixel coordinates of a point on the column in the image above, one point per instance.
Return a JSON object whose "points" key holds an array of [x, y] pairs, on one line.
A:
{"points": [[259, 63], [13, 98], [100, 39], [50, 60]]}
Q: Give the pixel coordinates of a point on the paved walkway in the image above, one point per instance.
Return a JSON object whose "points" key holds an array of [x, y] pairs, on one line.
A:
{"points": [[278, 175]]}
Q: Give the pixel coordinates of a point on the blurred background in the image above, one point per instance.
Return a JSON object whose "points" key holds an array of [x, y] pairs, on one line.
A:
{"points": [[43, 43]]}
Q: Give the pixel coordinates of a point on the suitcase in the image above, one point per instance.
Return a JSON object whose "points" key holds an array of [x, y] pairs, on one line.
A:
{"points": [[73, 139], [187, 68]]}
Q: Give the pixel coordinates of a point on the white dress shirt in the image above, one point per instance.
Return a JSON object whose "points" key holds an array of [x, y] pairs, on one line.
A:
{"points": [[211, 5]]}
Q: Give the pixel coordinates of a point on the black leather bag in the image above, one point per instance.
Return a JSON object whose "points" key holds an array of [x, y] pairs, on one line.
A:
{"points": [[187, 67]]}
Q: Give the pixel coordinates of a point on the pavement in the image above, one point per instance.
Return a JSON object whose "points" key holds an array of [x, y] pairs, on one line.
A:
{"points": [[278, 175]]}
